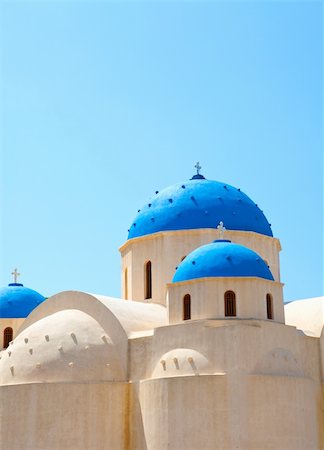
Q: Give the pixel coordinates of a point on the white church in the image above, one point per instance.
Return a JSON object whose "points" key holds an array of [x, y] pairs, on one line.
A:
{"points": [[200, 353]]}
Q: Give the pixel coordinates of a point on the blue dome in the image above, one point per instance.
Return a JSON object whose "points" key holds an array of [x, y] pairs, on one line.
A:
{"points": [[17, 301], [222, 259], [199, 203]]}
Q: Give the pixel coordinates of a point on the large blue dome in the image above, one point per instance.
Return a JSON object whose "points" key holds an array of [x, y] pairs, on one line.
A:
{"points": [[17, 301], [222, 259], [199, 203]]}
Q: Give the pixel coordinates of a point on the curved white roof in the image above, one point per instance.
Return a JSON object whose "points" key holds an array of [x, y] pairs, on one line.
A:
{"points": [[306, 315], [127, 315], [66, 346], [74, 336], [135, 316]]}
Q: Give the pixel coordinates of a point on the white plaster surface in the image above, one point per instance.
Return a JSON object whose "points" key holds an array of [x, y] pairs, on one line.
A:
{"points": [[68, 345], [307, 315], [207, 298]]}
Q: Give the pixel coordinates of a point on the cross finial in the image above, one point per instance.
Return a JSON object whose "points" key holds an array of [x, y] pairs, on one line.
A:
{"points": [[221, 230], [198, 167], [15, 274]]}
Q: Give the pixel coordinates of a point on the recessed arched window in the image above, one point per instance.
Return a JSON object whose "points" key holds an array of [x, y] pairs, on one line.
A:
{"points": [[148, 280], [269, 306], [230, 304], [187, 307], [126, 284], [7, 336]]}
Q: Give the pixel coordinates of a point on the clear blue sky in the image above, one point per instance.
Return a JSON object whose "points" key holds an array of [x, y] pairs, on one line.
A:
{"points": [[104, 103]]}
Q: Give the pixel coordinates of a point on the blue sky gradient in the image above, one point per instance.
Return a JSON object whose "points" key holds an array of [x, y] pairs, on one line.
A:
{"points": [[104, 103]]}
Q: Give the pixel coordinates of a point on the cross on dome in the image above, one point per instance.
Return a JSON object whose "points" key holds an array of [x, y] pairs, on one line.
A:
{"points": [[15, 275], [198, 167], [221, 230]]}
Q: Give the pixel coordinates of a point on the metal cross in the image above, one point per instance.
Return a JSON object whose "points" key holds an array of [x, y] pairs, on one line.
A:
{"points": [[221, 230], [198, 167], [15, 275]]}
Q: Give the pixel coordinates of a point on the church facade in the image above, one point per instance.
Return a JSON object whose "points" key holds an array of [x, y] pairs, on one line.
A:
{"points": [[199, 353]]}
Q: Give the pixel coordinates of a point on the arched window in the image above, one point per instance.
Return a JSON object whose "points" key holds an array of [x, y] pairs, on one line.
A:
{"points": [[230, 304], [7, 336], [269, 307], [126, 284], [187, 307], [148, 280]]}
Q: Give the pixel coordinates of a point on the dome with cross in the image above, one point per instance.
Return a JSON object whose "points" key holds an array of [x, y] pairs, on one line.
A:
{"points": [[199, 203], [17, 301], [222, 258]]}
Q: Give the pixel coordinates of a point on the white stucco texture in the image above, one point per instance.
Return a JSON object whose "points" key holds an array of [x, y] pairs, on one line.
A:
{"points": [[306, 315]]}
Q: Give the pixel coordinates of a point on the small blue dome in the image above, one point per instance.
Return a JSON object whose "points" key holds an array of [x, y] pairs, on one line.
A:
{"points": [[199, 203], [17, 301], [222, 259]]}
